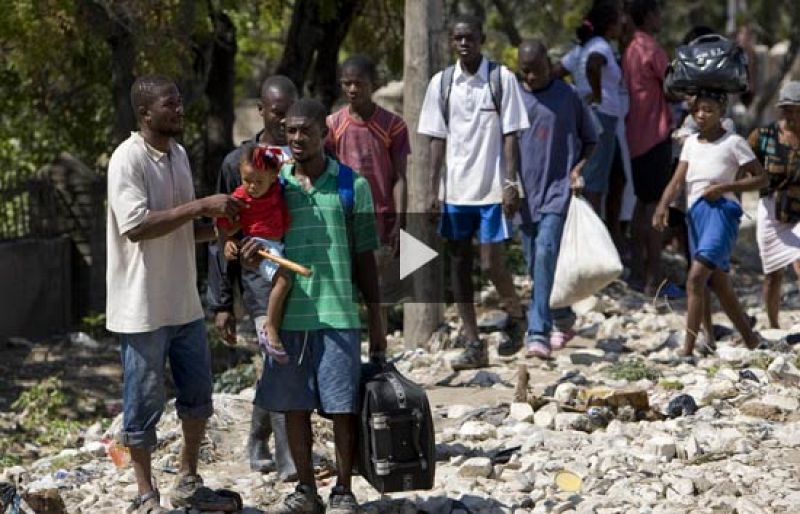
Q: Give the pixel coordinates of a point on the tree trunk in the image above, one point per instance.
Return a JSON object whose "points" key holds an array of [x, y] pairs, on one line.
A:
{"points": [[314, 41], [424, 56], [123, 57], [219, 91]]}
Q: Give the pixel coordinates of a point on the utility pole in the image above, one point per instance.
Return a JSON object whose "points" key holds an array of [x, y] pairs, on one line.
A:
{"points": [[424, 55]]}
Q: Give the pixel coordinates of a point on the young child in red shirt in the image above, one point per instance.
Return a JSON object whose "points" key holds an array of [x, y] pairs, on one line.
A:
{"points": [[265, 219]]}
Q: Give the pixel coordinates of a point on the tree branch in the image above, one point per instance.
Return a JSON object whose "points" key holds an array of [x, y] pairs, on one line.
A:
{"points": [[508, 25]]}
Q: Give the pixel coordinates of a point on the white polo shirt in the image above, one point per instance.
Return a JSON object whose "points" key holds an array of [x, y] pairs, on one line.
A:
{"points": [[475, 162], [152, 283]]}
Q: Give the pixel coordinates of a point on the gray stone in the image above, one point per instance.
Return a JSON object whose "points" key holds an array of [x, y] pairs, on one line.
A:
{"points": [[683, 486], [587, 357], [476, 467]]}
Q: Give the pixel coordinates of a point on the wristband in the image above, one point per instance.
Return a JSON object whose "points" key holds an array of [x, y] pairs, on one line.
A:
{"points": [[511, 183]]}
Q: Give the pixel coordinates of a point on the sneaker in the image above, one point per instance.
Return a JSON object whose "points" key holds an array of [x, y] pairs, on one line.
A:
{"points": [[304, 500], [148, 503], [474, 356], [560, 338], [516, 332], [342, 502], [537, 347], [183, 490]]}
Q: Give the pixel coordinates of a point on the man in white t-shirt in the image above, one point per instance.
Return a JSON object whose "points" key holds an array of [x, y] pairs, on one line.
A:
{"points": [[476, 117], [152, 300]]}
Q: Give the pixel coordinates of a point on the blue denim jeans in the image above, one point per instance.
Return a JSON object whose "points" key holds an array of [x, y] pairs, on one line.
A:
{"points": [[323, 373], [144, 357], [540, 244]]}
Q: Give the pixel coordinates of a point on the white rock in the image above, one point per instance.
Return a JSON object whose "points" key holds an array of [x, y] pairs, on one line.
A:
{"points": [[546, 415], [661, 447], [718, 390], [785, 403], [476, 467], [565, 392], [568, 420], [782, 370], [521, 411], [682, 486], [477, 431], [773, 334], [734, 354], [728, 374], [458, 410], [788, 434]]}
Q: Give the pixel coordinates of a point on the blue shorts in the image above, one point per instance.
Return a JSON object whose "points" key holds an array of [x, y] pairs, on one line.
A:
{"points": [[267, 268], [144, 357], [713, 228], [462, 222], [323, 373], [597, 171]]}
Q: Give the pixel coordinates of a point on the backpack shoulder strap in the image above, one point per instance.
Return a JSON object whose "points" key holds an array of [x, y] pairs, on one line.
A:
{"points": [[496, 86], [344, 185], [445, 85]]}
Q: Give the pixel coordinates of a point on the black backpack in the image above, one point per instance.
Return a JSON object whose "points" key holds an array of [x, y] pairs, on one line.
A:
{"points": [[710, 62], [396, 443]]}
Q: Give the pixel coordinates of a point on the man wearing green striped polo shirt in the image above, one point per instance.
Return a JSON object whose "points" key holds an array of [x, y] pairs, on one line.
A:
{"points": [[321, 329]]}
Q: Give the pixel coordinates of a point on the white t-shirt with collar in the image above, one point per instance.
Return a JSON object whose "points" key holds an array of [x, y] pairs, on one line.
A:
{"points": [[475, 161], [150, 283], [716, 162]]}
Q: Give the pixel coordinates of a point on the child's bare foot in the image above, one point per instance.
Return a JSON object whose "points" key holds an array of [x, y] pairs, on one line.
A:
{"points": [[274, 346]]}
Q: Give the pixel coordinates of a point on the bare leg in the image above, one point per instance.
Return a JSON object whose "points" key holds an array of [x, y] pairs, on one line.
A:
{"points": [[140, 460], [616, 190], [281, 284], [721, 283], [708, 324], [772, 296], [461, 277], [193, 432], [298, 427], [344, 434], [695, 285], [493, 262]]}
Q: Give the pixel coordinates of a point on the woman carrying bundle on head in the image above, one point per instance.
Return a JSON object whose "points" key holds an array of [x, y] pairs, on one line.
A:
{"points": [[710, 162]]}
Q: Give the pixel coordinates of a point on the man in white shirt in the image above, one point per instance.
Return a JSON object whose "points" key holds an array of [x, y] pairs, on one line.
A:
{"points": [[477, 108], [152, 300]]}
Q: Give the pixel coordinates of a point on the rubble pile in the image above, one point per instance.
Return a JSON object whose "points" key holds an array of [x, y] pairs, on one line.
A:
{"points": [[614, 423]]}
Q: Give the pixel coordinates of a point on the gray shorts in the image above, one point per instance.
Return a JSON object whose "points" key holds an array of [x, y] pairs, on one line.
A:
{"points": [[322, 374]]}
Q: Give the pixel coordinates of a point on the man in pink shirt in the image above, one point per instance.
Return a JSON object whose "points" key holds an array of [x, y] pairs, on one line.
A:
{"points": [[647, 127]]}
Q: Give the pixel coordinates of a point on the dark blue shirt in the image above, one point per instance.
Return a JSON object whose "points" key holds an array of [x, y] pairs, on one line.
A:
{"points": [[560, 127]]}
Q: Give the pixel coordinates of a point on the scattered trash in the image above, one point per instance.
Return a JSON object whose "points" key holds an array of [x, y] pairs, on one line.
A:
{"points": [[119, 455], [599, 416], [746, 374], [614, 398], [681, 405], [568, 481]]}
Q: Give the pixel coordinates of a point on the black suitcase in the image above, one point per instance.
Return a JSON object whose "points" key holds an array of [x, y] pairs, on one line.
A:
{"points": [[397, 449]]}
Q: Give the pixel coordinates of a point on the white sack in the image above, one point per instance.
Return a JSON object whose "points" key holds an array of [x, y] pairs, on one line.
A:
{"points": [[588, 260]]}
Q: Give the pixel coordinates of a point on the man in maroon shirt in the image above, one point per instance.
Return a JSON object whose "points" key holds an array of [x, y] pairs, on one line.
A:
{"points": [[374, 142]]}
